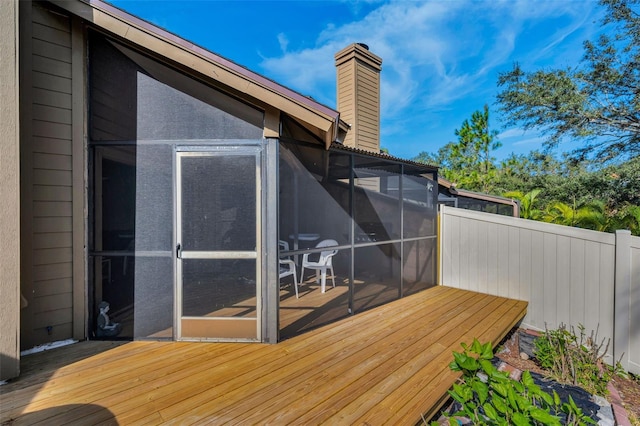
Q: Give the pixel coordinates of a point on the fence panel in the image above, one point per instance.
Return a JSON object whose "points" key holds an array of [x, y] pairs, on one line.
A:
{"points": [[566, 274], [634, 306]]}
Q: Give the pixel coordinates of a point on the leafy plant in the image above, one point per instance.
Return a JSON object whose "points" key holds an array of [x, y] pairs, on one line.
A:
{"points": [[527, 203], [573, 359], [490, 397]]}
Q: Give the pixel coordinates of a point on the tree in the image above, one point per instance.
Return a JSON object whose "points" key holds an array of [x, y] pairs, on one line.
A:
{"points": [[628, 218], [527, 203], [525, 173], [589, 216], [425, 157], [468, 162], [473, 150], [617, 185], [597, 101]]}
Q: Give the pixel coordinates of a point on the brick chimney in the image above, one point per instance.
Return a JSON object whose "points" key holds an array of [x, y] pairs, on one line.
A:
{"points": [[358, 95]]}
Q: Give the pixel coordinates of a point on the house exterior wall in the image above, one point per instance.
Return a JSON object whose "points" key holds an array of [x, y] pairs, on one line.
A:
{"points": [[49, 170], [44, 163], [9, 192]]}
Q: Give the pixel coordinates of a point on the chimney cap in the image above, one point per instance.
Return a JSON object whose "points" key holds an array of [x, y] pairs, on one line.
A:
{"points": [[361, 52]]}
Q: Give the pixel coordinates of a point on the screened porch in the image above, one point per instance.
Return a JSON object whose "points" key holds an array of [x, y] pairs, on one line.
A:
{"points": [[377, 218]]}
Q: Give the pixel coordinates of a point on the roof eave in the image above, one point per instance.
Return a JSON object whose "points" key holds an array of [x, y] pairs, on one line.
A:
{"points": [[241, 79]]}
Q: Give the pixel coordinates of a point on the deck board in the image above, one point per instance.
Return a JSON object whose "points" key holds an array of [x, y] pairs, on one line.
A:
{"points": [[388, 365]]}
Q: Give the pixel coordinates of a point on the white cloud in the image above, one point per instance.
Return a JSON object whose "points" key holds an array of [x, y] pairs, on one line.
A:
{"points": [[512, 133], [538, 141], [283, 41], [517, 139], [436, 53]]}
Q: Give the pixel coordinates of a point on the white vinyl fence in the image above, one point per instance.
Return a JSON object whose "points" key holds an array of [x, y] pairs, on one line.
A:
{"points": [[568, 275]]}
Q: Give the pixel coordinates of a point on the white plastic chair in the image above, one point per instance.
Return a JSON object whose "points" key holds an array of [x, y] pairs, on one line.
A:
{"points": [[323, 264], [287, 266]]}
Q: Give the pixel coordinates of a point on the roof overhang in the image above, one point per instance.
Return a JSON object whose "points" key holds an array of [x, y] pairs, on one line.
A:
{"points": [[478, 195], [386, 157], [241, 80]]}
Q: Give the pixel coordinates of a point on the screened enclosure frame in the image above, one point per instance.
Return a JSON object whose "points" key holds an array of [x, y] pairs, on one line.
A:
{"points": [[382, 203], [142, 112], [227, 149], [381, 211]]}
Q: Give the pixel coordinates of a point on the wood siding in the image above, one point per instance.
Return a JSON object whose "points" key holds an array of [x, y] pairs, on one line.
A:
{"points": [[367, 108], [358, 103], [48, 181], [345, 84], [358, 97]]}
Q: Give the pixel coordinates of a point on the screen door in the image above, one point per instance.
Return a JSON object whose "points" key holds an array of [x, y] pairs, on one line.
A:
{"points": [[218, 240]]}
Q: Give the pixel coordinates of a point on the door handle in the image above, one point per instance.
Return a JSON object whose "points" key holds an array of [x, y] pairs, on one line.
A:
{"points": [[178, 251]]}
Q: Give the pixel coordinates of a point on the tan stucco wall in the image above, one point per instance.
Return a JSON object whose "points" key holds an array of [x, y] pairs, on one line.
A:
{"points": [[9, 193]]}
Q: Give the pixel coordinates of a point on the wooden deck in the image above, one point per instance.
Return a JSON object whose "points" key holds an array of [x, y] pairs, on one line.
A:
{"points": [[388, 365]]}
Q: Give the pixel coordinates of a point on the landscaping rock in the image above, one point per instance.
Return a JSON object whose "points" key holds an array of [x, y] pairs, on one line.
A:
{"points": [[513, 372], [605, 413], [525, 343]]}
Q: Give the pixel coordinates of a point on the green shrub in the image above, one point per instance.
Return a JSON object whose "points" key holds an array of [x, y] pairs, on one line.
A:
{"points": [[490, 397], [573, 359]]}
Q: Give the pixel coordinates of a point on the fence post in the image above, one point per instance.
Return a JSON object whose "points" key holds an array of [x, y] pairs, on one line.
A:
{"points": [[440, 243], [622, 285]]}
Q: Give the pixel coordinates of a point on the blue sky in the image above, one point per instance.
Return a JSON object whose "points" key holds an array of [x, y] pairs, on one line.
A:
{"points": [[441, 58]]}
